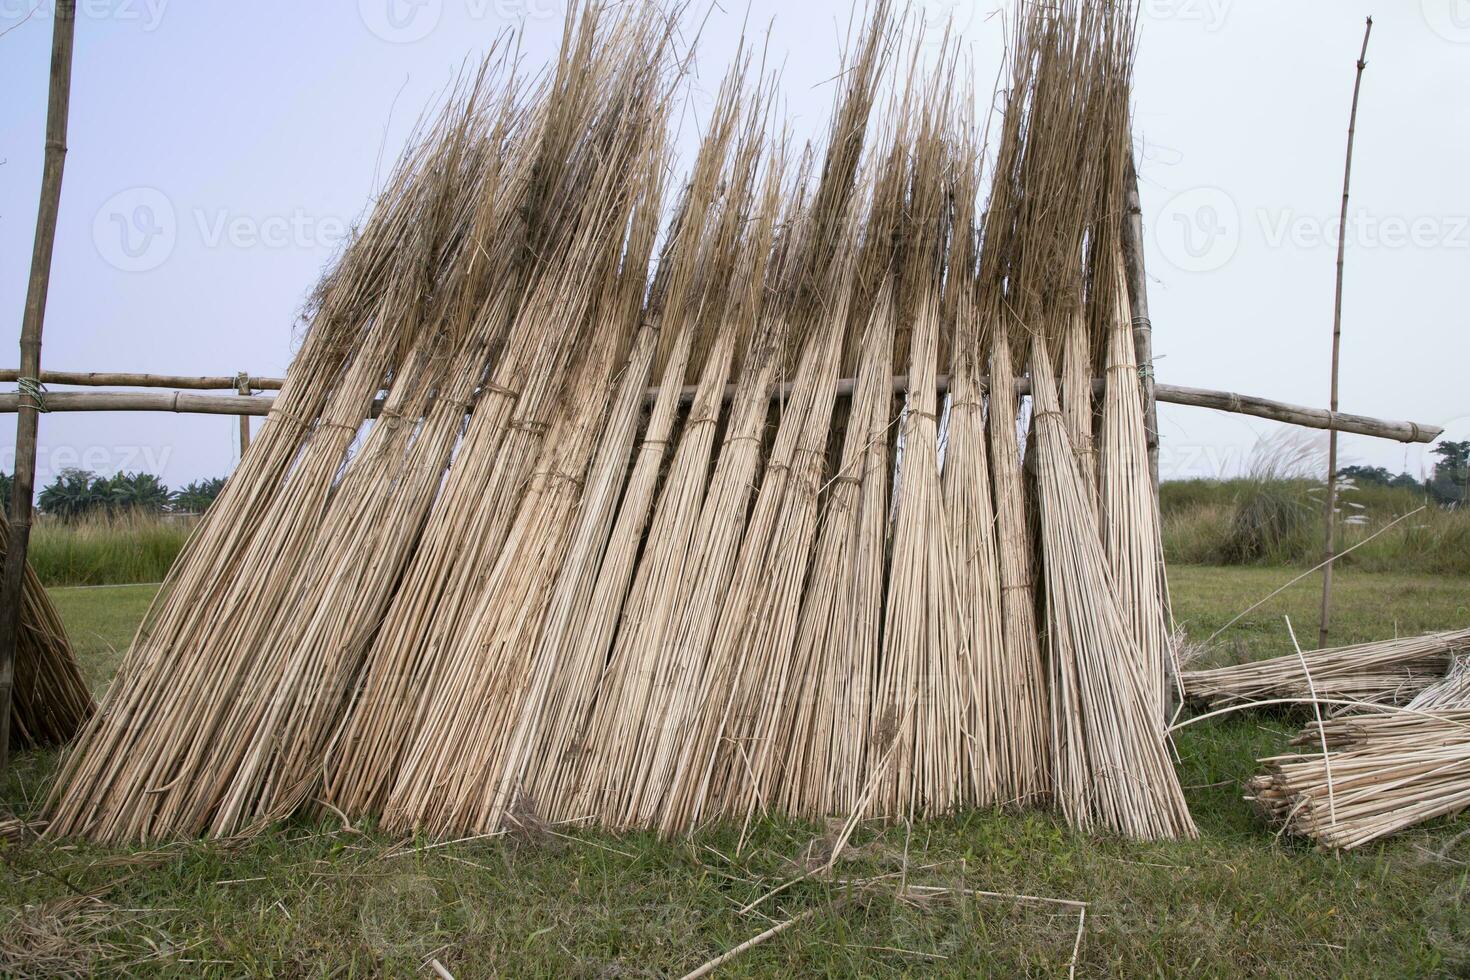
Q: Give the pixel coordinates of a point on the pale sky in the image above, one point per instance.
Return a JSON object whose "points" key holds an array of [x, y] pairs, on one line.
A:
{"points": [[219, 151]]}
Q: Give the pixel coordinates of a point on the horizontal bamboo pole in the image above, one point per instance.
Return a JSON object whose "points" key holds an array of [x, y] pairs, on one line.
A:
{"points": [[1224, 401], [114, 379], [1311, 418]]}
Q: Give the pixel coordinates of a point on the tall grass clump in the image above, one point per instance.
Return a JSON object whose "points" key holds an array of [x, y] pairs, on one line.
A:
{"points": [[107, 550], [1274, 516]]}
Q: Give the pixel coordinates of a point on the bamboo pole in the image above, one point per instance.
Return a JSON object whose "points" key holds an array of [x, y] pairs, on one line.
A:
{"points": [[1347, 174], [1143, 332], [1223, 401], [243, 381], [30, 358], [120, 379]]}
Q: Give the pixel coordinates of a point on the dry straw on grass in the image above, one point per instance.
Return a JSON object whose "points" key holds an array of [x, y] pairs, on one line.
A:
{"points": [[1390, 671], [921, 708], [1379, 774]]}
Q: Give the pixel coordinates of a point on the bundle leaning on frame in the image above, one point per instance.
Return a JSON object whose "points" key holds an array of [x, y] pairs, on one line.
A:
{"points": [[50, 698], [1393, 671], [532, 590]]}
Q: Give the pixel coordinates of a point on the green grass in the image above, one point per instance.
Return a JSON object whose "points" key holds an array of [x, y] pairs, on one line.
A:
{"points": [[311, 898], [1214, 522], [1366, 606], [1206, 522], [106, 551], [100, 621]]}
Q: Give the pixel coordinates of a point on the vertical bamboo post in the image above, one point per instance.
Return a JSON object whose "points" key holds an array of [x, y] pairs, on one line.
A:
{"points": [[1143, 350], [242, 387], [1347, 174], [30, 402], [1143, 342]]}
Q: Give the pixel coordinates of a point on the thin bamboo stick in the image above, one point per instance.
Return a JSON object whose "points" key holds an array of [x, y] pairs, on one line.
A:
{"points": [[16, 570]]}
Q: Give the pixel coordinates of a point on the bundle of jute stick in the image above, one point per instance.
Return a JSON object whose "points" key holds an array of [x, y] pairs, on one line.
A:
{"points": [[1450, 693], [1375, 773], [1379, 773], [528, 590], [1389, 671], [50, 701], [1389, 772]]}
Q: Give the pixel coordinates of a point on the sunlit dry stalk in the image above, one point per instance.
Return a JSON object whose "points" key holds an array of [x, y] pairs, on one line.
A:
{"points": [[819, 754], [1075, 383], [613, 757], [1132, 531], [696, 602], [574, 648], [377, 514], [723, 521], [922, 706], [1022, 767], [540, 767], [587, 128], [727, 764], [996, 717], [1112, 768], [130, 780], [452, 779], [817, 761]]}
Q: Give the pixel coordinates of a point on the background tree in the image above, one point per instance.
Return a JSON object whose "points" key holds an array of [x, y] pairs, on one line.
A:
{"points": [[1448, 484], [70, 495], [133, 493], [1378, 476], [5, 481], [79, 493], [196, 497]]}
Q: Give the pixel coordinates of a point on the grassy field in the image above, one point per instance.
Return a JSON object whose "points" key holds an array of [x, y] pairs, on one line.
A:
{"points": [[1276, 522], [107, 551], [1260, 522], [315, 898]]}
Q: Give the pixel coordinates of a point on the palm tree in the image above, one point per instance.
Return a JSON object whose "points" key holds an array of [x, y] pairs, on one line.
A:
{"points": [[196, 497], [134, 493], [71, 495]]}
